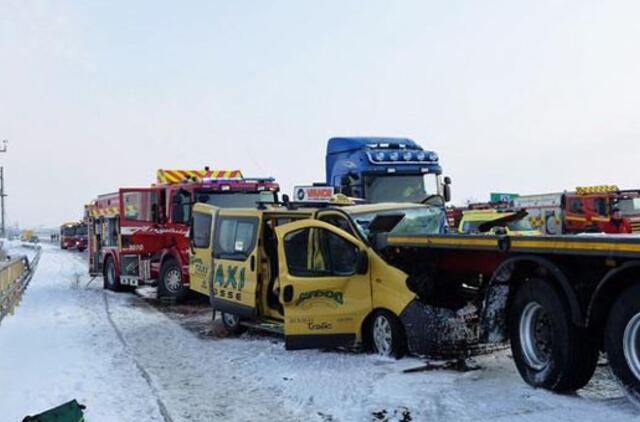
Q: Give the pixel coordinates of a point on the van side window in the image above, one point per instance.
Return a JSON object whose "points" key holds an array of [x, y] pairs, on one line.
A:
{"points": [[201, 230], [319, 252], [235, 237]]}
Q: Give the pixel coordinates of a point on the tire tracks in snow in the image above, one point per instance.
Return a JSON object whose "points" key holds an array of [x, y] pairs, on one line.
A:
{"points": [[145, 375]]}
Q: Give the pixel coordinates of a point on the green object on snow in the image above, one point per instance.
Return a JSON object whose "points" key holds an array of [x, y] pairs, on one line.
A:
{"points": [[68, 412]]}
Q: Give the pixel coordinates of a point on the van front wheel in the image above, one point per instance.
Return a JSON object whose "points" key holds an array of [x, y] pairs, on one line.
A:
{"points": [[387, 335]]}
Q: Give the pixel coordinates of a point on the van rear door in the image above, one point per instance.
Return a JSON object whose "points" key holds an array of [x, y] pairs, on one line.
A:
{"points": [[235, 260]]}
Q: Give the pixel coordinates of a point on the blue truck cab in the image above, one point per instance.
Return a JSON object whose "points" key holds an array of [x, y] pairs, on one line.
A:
{"points": [[381, 169]]}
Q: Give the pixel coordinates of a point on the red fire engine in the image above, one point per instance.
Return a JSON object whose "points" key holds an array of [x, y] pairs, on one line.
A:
{"points": [[73, 236], [140, 235], [585, 209]]}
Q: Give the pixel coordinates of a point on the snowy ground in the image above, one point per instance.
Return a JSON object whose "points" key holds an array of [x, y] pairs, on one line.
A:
{"points": [[129, 360]]}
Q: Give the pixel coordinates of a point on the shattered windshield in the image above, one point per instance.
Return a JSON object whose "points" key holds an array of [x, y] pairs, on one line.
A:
{"points": [[416, 220], [402, 188]]}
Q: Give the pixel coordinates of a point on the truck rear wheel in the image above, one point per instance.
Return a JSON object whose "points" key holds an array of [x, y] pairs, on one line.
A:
{"points": [[170, 284], [622, 341], [548, 349], [232, 323], [111, 280], [387, 335]]}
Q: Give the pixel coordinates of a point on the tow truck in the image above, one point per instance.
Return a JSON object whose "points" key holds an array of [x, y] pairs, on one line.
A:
{"points": [[383, 276], [140, 235], [381, 169]]}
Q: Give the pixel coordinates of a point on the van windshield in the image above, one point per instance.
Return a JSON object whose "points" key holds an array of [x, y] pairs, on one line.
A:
{"points": [[417, 220]]}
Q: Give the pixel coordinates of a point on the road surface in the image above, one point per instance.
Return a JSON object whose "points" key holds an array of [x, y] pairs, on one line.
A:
{"points": [[128, 359]]}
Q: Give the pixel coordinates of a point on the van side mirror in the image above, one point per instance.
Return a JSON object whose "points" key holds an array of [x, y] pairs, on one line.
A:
{"points": [[362, 262]]}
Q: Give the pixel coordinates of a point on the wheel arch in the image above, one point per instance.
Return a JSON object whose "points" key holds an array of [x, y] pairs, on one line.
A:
{"points": [[608, 290], [506, 280]]}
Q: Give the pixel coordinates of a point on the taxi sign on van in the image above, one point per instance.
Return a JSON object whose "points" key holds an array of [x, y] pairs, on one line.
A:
{"points": [[313, 193]]}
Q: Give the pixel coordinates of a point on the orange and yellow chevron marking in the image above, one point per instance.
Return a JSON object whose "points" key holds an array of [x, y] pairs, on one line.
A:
{"points": [[585, 190], [171, 176]]}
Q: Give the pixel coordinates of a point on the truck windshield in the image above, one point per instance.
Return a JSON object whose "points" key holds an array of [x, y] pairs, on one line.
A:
{"points": [[81, 230], [68, 231], [416, 220], [400, 188], [235, 199], [629, 206]]}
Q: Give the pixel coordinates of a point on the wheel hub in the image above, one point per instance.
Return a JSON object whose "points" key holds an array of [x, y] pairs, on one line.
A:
{"points": [[230, 319], [536, 335], [173, 280], [631, 345], [382, 336]]}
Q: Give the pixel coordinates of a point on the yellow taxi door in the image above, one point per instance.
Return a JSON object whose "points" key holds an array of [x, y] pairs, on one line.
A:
{"points": [[325, 286], [235, 258], [201, 257]]}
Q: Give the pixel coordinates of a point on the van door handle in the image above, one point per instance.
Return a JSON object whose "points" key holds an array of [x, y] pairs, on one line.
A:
{"points": [[287, 293], [252, 263]]}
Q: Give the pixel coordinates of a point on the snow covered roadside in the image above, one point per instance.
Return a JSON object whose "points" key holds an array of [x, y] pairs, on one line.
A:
{"points": [[143, 365]]}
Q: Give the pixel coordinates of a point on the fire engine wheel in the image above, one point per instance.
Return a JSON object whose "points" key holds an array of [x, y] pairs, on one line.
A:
{"points": [[548, 349], [232, 324], [622, 341], [171, 285], [111, 281], [387, 335]]}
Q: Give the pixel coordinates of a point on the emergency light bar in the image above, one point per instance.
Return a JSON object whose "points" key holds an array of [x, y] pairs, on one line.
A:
{"points": [[585, 190], [174, 176]]}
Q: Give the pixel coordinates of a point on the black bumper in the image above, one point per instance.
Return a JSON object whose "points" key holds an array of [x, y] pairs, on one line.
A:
{"points": [[440, 332]]}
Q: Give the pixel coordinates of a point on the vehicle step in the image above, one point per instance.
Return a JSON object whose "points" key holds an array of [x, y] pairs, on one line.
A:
{"points": [[275, 327]]}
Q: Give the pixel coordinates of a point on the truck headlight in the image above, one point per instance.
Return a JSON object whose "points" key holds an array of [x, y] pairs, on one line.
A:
{"points": [[433, 156], [394, 156], [421, 156], [407, 156]]}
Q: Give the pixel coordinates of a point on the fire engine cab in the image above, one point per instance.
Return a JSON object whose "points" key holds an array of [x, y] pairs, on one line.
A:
{"points": [[140, 235], [585, 209]]}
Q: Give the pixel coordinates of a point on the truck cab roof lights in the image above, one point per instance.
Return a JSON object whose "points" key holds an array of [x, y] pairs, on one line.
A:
{"points": [[401, 157], [585, 190], [175, 176]]}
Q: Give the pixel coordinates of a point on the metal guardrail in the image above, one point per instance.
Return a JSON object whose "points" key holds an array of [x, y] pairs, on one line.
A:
{"points": [[15, 275]]}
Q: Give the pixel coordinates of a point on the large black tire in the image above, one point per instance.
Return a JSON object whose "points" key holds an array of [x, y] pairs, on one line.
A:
{"points": [[549, 350], [170, 284], [111, 278], [386, 335], [622, 341], [232, 324]]}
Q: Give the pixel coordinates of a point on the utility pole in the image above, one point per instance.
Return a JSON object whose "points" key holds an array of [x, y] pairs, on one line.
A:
{"points": [[3, 232]]}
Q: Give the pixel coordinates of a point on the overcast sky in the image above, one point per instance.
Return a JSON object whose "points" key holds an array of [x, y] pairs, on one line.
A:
{"points": [[515, 96]]}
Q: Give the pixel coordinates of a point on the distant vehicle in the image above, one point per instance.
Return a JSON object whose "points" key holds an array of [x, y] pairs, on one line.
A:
{"points": [[584, 210], [73, 235], [383, 169], [28, 235], [493, 221]]}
